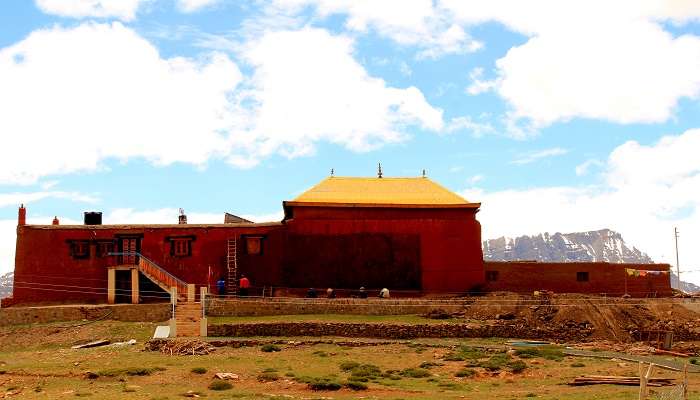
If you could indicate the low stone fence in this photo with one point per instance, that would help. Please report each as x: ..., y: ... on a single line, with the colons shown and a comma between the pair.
x: 396, y: 331
x: 244, y: 307
x: 118, y: 312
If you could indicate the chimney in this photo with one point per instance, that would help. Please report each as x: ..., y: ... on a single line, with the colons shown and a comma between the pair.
x: 55, y: 221
x: 182, y: 218
x: 92, y: 218
x: 22, y: 216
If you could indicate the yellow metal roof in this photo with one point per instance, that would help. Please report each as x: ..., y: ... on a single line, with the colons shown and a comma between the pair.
x: 381, y: 191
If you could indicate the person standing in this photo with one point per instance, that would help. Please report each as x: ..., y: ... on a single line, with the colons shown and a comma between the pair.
x: 243, y: 286
x: 221, y: 287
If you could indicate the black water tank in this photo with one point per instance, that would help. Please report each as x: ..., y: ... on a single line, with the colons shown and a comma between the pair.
x: 92, y: 218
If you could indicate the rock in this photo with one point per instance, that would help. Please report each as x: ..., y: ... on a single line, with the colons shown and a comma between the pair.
x: 226, y: 376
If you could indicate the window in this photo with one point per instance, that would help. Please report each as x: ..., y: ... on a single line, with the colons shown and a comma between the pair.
x: 181, y: 247
x: 80, y: 249
x: 491, y: 276
x: 104, y: 248
x: 582, y: 276
x: 253, y: 245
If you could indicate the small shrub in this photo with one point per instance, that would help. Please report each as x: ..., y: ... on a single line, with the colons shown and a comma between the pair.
x: 546, y: 352
x: 348, y: 365
x: 415, y: 373
x: 517, y: 366
x: 324, y: 384
x: 353, y: 385
x: 366, y: 370
x: 290, y: 374
x: 269, y: 348
x: 199, y: 370
x: 320, y: 353
x: 578, y: 365
x: 694, y: 361
x: 496, y: 362
x: 465, y: 373
x: 220, y: 385
x: 270, y: 370
x: 530, y: 395
x: 268, y: 377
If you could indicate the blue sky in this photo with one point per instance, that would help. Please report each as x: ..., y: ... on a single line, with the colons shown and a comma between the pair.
x: 556, y: 117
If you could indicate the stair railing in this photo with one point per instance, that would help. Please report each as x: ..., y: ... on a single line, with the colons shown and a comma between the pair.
x: 157, y: 272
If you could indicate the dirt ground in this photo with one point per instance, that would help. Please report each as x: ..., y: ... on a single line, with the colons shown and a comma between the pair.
x: 36, y: 362
x: 610, y: 318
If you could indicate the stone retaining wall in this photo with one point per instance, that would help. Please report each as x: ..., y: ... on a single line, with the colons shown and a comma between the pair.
x: 396, y: 331
x: 119, y: 312
x: 350, y: 306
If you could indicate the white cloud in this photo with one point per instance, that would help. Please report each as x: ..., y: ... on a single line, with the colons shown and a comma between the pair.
x: 590, y: 59
x: 188, y: 6
x: 73, y: 97
x: 121, y: 9
x: 410, y: 23
x: 647, y: 191
x: 478, y: 129
x: 582, y: 169
x: 109, y: 94
x: 479, y: 85
x: 308, y: 87
x: 529, y: 158
x: 7, y: 199
x: 473, y: 180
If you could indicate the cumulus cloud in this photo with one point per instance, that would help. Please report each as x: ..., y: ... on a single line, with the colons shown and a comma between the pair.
x: 626, y: 69
x: 120, y: 9
x: 308, y: 87
x: 410, y: 23
x: 77, y: 96
x: 74, y: 97
x: 648, y: 190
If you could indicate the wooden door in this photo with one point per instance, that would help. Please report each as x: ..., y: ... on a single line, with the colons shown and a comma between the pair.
x: 129, y: 245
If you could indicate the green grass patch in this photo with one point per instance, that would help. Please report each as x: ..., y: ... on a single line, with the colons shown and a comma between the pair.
x: 322, y: 383
x: 578, y: 365
x: 268, y: 377
x: 270, y: 348
x: 354, y: 385
x: 546, y: 352
x: 517, y: 366
x: 496, y: 362
x: 220, y: 385
x: 346, y: 366
x: 199, y: 370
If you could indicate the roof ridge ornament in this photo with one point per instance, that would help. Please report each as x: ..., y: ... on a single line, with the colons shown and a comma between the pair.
x: 332, y: 172
x: 379, y: 171
x: 424, y: 173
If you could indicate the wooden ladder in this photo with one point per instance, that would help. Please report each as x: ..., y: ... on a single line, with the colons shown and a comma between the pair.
x: 232, y: 266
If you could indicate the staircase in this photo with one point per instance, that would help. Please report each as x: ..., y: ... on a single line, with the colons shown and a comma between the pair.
x: 232, y: 267
x: 188, y: 317
x: 162, y: 278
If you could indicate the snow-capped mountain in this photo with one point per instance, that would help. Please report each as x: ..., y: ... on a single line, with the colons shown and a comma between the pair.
x: 6, y: 284
x: 602, y: 245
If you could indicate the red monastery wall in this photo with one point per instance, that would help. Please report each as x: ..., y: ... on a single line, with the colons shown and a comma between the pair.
x: 525, y: 277
x: 450, y: 256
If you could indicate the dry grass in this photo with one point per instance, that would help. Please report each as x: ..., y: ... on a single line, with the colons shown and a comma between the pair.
x: 41, y: 369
